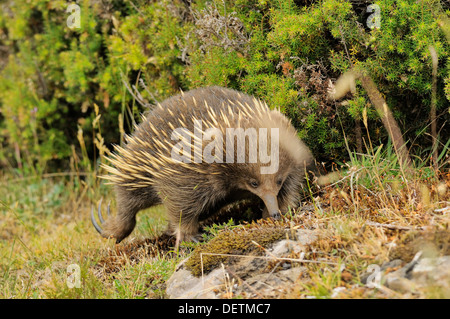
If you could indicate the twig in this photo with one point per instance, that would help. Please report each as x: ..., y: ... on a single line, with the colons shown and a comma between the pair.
x: 442, y: 210
x: 351, y: 187
x: 388, y: 120
x: 239, y: 279
x: 345, y: 46
x: 144, y: 86
x: 435, y: 60
x: 391, y: 226
x: 137, y: 9
x: 136, y: 97
x: 48, y: 175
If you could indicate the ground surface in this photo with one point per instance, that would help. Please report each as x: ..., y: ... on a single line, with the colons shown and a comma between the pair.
x: 47, y: 241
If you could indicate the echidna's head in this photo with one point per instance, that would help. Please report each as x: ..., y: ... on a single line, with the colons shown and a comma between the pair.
x: 279, y: 175
x: 272, y: 189
x: 266, y: 187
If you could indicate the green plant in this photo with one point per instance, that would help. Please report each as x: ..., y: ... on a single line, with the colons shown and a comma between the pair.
x: 284, y: 52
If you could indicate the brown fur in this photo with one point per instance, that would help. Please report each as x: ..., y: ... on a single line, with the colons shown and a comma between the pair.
x: 144, y: 173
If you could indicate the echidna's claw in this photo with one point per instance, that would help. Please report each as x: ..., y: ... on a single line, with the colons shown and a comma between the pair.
x: 99, y: 212
x: 100, y: 217
x: 94, y: 222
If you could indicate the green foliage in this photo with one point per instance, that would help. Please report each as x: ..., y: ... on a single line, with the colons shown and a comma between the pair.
x: 294, y: 51
x: 215, y: 229
x: 284, y: 52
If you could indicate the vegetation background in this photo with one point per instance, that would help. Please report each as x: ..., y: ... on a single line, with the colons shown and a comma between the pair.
x: 68, y: 94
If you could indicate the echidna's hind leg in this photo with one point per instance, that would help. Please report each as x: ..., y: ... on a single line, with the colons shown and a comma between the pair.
x: 129, y: 203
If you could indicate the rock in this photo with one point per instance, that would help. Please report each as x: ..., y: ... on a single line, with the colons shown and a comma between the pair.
x: 252, y: 274
x: 392, y: 264
x: 269, y: 285
x: 419, y: 274
x: 182, y: 284
x: 284, y: 247
x: 337, y: 291
x: 432, y: 271
x: 400, y: 284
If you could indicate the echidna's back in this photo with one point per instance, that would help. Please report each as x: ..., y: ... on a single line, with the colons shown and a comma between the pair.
x: 181, y: 110
x: 216, y: 98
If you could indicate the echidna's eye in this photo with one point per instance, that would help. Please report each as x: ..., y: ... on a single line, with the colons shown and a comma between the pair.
x: 279, y: 182
x: 254, y: 184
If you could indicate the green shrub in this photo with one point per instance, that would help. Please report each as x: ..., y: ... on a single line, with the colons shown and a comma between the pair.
x: 294, y: 51
x: 285, y: 52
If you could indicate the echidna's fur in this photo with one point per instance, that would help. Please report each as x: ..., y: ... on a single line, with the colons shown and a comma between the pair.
x: 145, y: 174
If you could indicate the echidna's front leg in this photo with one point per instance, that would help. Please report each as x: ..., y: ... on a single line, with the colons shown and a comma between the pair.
x: 185, y: 227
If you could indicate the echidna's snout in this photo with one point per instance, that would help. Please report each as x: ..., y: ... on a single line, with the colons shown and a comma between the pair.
x: 267, y: 187
x: 271, y: 202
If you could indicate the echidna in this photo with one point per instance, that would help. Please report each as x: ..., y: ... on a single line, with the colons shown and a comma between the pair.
x: 179, y: 156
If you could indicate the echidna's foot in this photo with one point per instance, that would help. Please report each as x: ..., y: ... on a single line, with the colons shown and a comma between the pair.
x: 186, y: 236
x: 194, y: 238
x: 114, y: 227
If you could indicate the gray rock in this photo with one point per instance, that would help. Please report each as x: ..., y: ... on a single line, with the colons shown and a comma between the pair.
x: 337, y: 291
x: 182, y: 284
x: 250, y: 272
x: 420, y: 273
x: 398, y: 283
x: 392, y: 264
x: 269, y: 285
x: 432, y: 271
x: 284, y: 247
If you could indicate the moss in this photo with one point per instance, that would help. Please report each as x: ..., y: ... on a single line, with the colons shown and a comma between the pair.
x: 245, y: 240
